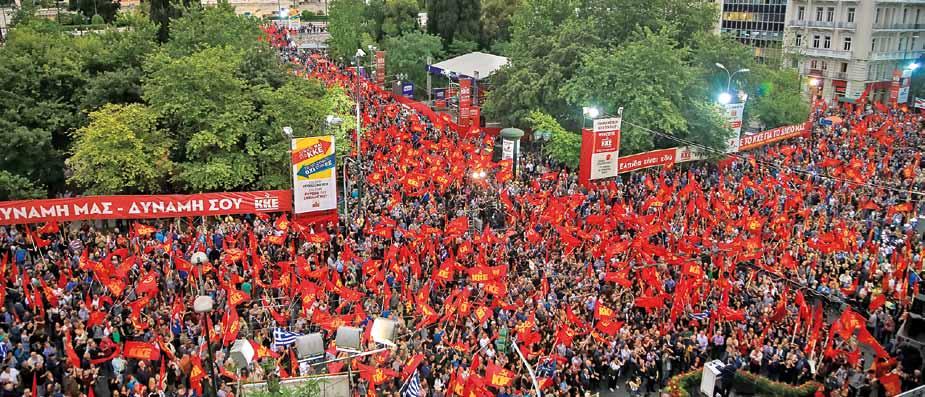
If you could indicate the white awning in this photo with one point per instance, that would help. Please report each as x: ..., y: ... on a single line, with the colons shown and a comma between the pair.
x: 469, y: 65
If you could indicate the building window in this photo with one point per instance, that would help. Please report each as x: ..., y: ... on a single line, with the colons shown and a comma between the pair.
x: 844, y: 67
x: 847, y: 45
x: 905, y: 14
x: 818, y: 14
x: 917, y: 12
x: 816, y: 41
x: 825, y: 66
x: 830, y: 14
x: 813, y: 64
x: 873, y: 45
x: 801, y: 13
x: 827, y: 43
x: 851, y: 15
x: 877, y: 17
x: 798, y: 40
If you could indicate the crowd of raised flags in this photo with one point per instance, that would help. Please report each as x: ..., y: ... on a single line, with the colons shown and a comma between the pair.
x: 631, y: 280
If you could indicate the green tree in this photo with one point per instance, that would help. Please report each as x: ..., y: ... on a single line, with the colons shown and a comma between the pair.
x: 206, y: 104
x: 611, y: 79
x: 106, y: 9
x: 496, y: 21
x: 777, y: 99
x: 302, y: 105
x: 408, y: 54
x: 346, y: 17
x: 454, y: 19
x: 563, y: 146
x: 461, y: 47
x: 15, y: 187
x: 120, y: 151
x: 400, y: 17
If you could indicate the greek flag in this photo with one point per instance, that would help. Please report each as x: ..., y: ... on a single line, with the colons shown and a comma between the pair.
x: 282, y: 337
x: 913, y: 278
x: 413, y: 389
x: 4, y: 350
x: 700, y: 316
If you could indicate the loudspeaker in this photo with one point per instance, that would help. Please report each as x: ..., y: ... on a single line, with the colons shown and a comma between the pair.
x: 348, y: 339
x: 242, y: 353
x: 918, y: 305
x: 383, y: 331
x: 309, y: 346
x: 497, y: 151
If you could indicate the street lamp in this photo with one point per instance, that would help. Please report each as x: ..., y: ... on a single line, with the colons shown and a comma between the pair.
x: 359, y: 54
x: 730, y: 76
x: 590, y: 112
x: 725, y: 98
x: 203, y: 305
x: 913, y: 66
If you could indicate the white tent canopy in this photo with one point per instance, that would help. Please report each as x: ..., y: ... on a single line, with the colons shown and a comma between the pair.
x: 469, y: 65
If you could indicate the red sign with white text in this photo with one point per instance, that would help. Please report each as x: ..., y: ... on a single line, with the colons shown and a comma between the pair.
x: 141, y: 206
x: 465, y: 101
x: 774, y: 135
x: 380, y: 68
x: 647, y: 159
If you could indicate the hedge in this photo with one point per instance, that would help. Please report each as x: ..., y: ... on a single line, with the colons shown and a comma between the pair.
x: 679, y: 384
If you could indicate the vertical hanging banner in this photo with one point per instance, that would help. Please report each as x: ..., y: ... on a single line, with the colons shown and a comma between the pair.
x: 465, y: 101
x: 600, y: 150
x: 314, y: 180
x: 732, y: 112
x: 894, y: 87
x: 380, y: 68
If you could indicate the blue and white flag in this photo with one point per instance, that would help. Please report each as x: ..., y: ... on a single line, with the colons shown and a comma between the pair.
x: 282, y: 337
x: 413, y: 389
x: 913, y: 278
x: 700, y: 316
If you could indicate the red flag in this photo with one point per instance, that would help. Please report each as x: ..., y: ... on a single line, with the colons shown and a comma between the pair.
x: 69, y: 350
x: 197, y: 373
x: 35, y: 384
x: 230, y: 326
x: 891, y: 384
x: 498, y: 376
x: 141, y: 351
x: 411, y: 365
x: 878, y: 301
x: 143, y: 230
x: 609, y: 327
x: 48, y: 228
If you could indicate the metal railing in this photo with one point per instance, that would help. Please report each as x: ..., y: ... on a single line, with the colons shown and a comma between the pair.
x: 895, y: 55
x: 899, y: 26
x: 821, y: 52
x: 329, y: 385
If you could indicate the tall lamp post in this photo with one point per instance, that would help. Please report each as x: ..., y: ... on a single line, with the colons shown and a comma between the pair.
x: 359, y: 54
x: 726, y: 97
x: 203, y: 305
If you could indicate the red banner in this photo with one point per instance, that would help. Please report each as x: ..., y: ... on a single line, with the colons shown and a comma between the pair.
x: 142, y: 207
x: 647, y: 159
x: 774, y: 135
x: 380, y: 68
x: 465, y: 101
x: 141, y: 351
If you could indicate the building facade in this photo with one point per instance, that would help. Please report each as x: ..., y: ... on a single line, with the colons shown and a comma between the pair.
x: 845, y: 48
x: 758, y: 24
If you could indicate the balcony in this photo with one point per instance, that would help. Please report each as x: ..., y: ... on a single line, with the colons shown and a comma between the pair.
x: 899, y: 26
x: 807, y: 71
x: 895, y: 55
x: 820, y: 24
x: 819, y: 52
x: 902, y: 1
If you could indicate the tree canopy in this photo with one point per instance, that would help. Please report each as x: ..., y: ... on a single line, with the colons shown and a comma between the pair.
x: 120, y: 112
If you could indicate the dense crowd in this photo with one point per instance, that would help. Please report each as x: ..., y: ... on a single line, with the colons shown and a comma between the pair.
x: 796, y: 261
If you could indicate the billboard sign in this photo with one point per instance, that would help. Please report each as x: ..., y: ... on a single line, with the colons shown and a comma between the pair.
x: 314, y: 180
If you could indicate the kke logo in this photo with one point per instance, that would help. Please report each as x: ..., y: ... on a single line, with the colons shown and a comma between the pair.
x: 266, y: 203
x: 606, y: 142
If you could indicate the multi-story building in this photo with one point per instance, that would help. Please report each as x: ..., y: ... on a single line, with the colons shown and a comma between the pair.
x: 844, y: 48
x: 756, y: 23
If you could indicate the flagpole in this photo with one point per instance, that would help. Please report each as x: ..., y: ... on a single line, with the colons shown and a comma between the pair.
x: 536, y: 384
